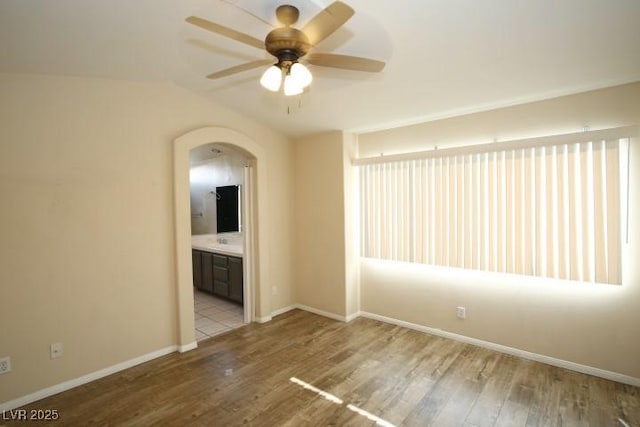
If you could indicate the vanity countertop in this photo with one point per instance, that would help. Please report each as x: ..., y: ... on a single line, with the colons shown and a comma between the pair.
x: 215, y: 243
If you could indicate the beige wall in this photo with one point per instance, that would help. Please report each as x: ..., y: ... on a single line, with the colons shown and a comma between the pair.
x: 351, y: 226
x: 279, y: 223
x: 87, y: 255
x: 319, y: 260
x: 600, y: 109
x: 326, y: 258
x: 593, y: 325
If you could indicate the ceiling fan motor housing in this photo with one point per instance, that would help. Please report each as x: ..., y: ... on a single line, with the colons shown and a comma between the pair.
x: 287, y: 44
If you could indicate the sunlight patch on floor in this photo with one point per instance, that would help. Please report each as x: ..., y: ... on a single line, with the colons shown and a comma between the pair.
x: 330, y: 397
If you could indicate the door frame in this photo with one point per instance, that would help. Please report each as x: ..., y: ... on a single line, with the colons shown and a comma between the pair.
x: 255, y: 241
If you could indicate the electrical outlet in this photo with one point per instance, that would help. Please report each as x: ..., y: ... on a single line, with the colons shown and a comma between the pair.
x: 56, y: 350
x: 5, y: 365
x: 461, y: 313
x: 274, y: 290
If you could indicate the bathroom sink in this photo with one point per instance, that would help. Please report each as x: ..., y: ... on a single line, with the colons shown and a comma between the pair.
x: 213, y: 243
x: 225, y: 249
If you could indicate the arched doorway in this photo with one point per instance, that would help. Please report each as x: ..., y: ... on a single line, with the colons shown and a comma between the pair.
x: 254, y: 245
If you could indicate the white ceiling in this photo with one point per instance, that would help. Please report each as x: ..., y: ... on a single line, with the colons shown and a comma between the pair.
x: 444, y: 57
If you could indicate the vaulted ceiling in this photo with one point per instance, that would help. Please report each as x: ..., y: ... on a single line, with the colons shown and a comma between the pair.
x: 444, y: 57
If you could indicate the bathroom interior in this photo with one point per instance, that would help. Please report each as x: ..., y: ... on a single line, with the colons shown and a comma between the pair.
x: 216, y: 178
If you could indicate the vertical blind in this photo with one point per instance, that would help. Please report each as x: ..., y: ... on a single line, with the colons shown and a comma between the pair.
x: 545, y: 210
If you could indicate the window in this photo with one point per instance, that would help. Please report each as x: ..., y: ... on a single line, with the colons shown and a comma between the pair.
x: 546, y: 207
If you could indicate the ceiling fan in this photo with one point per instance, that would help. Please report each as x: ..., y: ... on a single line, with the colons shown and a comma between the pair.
x: 288, y: 45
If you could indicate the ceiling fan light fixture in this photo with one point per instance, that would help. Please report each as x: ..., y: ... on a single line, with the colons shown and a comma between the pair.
x: 301, y: 74
x: 292, y: 86
x: 272, y: 78
x: 287, y: 44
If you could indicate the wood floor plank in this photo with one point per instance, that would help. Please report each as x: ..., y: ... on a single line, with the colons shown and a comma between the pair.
x: 347, y: 374
x: 487, y: 407
x: 545, y: 400
x: 601, y: 397
x: 452, y: 374
x: 512, y: 414
x: 481, y: 364
x: 628, y: 403
x: 573, y: 400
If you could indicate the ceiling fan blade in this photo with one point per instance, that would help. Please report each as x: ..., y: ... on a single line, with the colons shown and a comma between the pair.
x: 240, y: 68
x: 355, y: 63
x: 327, y: 21
x: 224, y: 31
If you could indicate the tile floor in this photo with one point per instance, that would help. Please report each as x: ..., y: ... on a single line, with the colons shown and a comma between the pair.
x: 215, y: 315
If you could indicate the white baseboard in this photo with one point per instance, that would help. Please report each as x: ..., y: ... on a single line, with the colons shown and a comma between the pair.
x: 597, y: 372
x: 188, y: 347
x: 58, y: 388
x: 353, y: 316
x: 282, y: 310
x: 321, y: 312
x: 264, y: 319
x: 301, y: 307
x: 317, y: 311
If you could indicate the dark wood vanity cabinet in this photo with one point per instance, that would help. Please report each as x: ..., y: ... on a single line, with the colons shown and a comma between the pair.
x: 207, y: 272
x: 196, y: 264
x: 218, y: 274
x: 235, y: 279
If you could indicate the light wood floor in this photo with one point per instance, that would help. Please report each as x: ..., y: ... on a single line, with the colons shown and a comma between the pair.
x: 399, y: 375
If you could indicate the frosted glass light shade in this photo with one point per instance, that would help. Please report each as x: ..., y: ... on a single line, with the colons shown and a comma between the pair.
x: 272, y: 78
x: 301, y: 74
x: 292, y: 86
